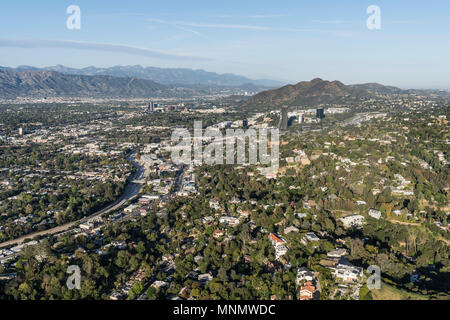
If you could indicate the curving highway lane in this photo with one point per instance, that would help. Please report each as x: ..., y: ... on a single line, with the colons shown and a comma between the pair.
x: 131, y: 190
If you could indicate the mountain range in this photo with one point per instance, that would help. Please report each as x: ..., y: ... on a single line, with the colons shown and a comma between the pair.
x: 60, y: 82
x: 54, y: 84
x: 167, y: 76
x: 314, y: 92
x: 380, y: 89
x: 318, y: 91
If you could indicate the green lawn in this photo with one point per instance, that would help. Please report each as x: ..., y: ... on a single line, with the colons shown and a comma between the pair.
x: 389, y: 292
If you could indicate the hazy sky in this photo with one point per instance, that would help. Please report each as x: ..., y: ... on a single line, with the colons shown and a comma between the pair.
x: 285, y: 40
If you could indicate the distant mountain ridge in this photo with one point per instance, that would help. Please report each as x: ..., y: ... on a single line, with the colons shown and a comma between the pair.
x: 166, y: 76
x: 318, y: 91
x: 380, y: 89
x: 54, y: 84
x: 34, y: 82
x: 307, y: 93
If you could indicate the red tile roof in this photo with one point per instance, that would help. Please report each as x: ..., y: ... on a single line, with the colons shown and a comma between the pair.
x: 274, y: 238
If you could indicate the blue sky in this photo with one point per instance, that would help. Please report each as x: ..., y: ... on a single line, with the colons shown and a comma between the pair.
x: 285, y: 40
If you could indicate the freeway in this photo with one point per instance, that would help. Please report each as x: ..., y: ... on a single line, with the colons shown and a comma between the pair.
x: 131, y: 190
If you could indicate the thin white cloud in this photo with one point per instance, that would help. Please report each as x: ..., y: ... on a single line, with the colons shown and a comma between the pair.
x: 211, y: 25
x: 331, y: 21
x: 236, y: 16
x: 267, y: 16
x: 402, y: 22
x: 317, y: 31
x: 305, y: 30
x: 180, y: 27
x: 190, y: 30
x: 109, y: 47
x: 221, y: 16
x: 225, y: 26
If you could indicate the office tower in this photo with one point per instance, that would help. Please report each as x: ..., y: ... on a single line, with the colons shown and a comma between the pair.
x: 301, y: 118
x: 320, y: 113
x: 283, y: 118
x: 151, y: 107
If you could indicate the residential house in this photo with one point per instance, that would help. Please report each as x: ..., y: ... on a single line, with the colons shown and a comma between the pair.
x: 218, y: 233
x: 346, y: 271
x: 159, y: 284
x: 304, y: 274
x: 337, y: 253
x: 291, y: 229
x: 353, y: 221
x: 230, y: 221
x: 311, y: 236
x: 279, y: 245
x: 306, y: 291
x: 130, y: 208
x: 204, y: 278
x: 375, y: 214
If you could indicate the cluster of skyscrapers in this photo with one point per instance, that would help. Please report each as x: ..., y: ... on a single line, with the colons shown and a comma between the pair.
x: 284, y: 117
